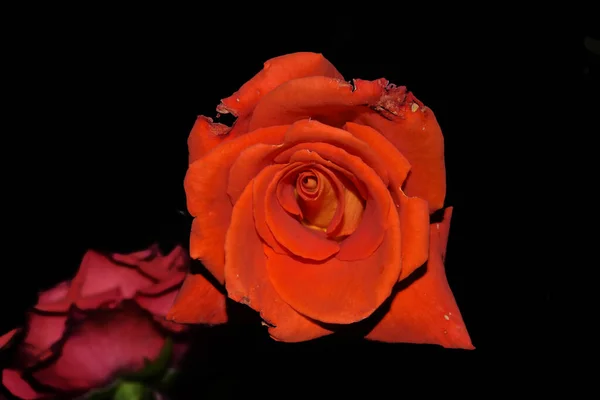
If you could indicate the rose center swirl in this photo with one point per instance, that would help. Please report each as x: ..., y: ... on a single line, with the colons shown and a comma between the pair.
x: 325, y: 200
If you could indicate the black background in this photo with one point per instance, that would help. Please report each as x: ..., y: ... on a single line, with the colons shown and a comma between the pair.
x: 109, y: 103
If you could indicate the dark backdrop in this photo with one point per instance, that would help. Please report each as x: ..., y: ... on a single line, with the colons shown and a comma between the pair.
x: 110, y: 106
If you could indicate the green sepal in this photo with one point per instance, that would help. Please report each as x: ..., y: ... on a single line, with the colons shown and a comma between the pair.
x: 132, y: 391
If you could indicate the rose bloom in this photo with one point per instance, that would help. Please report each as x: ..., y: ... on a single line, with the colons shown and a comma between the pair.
x: 107, y: 320
x: 314, y: 207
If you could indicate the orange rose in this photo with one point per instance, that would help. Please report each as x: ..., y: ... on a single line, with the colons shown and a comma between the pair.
x: 314, y: 208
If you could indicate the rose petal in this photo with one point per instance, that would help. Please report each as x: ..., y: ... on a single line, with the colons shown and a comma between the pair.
x: 7, y: 337
x: 167, y: 285
x: 444, y: 231
x: 100, y: 345
x: 325, y: 148
x: 205, y: 136
x: 258, y: 210
x: 133, y: 259
x: 300, y: 135
x: 370, y: 231
x: 327, y: 209
x: 286, y: 194
x: 105, y: 299
x: 159, y: 298
x: 325, y: 99
x: 248, y: 164
x: 350, y: 221
x: 99, y: 274
x: 295, y: 237
x: 307, y: 132
x: 410, y: 126
x: 413, y: 129
x: 55, y: 299
x: 42, y: 331
x: 60, y: 298
x: 247, y: 281
x: 425, y: 311
x: 275, y: 72
x: 15, y: 384
x: 414, y: 224
x: 151, y: 261
x: 171, y: 326
x: 414, y: 212
x: 163, y: 267
x: 207, y: 200
x: 396, y: 164
x: 320, y: 205
x: 198, y: 302
x: 286, y: 233
x: 52, y: 295
x: 339, y: 291
x: 353, y: 211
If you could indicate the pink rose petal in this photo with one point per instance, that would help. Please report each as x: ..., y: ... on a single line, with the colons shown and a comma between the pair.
x: 100, y: 345
x: 15, y: 384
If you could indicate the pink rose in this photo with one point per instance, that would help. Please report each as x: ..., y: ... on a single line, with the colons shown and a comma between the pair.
x: 151, y: 279
x: 107, y: 320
